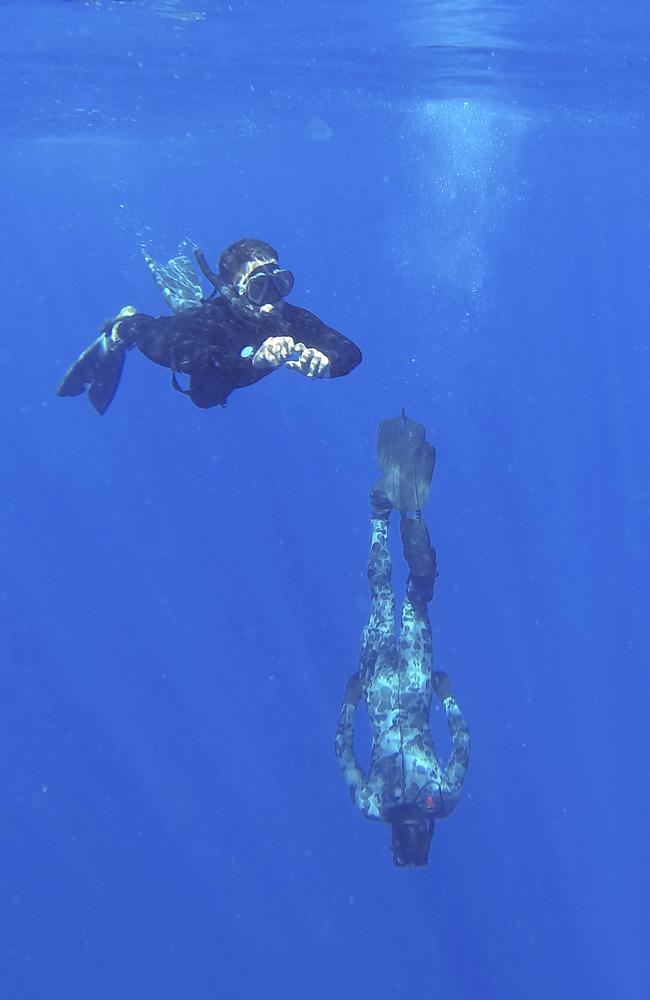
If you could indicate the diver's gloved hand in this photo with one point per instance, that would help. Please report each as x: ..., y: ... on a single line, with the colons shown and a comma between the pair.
x: 274, y: 352
x: 441, y: 684
x: 310, y: 362
x: 353, y: 690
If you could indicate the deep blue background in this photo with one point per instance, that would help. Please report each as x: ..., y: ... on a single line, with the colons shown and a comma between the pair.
x: 183, y: 591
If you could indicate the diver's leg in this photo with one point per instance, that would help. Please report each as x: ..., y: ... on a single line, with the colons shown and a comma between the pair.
x: 415, y: 632
x: 380, y: 629
x: 420, y: 556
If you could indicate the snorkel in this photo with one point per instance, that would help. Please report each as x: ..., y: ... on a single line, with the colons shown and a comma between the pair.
x: 209, y: 274
x: 238, y: 304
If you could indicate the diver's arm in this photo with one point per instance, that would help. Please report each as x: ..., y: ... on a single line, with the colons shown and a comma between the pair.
x: 309, y: 330
x: 354, y: 776
x: 454, y: 774
x: 343, y: 355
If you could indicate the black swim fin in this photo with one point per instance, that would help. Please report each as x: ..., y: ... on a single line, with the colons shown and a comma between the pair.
x: 407, y: 461
x: 98, y: 370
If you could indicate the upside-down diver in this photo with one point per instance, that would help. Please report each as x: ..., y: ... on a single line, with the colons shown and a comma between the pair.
x: 406, y: 785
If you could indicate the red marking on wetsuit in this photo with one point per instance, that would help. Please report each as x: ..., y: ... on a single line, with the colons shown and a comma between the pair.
x: 429, y: 802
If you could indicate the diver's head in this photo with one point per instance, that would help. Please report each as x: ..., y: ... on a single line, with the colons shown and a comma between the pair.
x: 250, y: 272
x: 411, y: 837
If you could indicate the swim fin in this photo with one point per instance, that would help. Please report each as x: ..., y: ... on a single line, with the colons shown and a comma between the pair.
x: 177, y: 281
x: 98, y: 370
x: 407, y: 461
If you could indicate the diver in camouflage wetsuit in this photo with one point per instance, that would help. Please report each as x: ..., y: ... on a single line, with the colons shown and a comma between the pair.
x: 406, y: 786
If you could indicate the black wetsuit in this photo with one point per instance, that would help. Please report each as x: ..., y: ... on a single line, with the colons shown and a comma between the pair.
x: 215, y: 347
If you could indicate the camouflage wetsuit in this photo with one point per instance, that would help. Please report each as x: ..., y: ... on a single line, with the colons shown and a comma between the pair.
x: 396, y: 681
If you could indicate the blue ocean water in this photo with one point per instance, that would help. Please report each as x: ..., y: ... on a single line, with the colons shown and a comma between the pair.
x: 461, y: 188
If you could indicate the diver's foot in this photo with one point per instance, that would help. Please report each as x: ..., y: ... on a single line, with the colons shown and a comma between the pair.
x: 110, y: 329
x: 380, y: 505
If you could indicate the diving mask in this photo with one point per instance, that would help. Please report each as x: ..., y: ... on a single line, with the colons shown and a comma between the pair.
x: 267, y: 284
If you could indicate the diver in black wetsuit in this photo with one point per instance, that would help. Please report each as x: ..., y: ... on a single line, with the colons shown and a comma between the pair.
x: 232, y: 339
